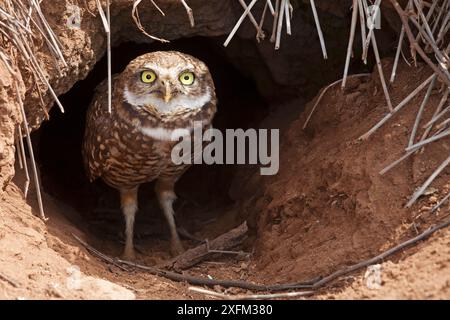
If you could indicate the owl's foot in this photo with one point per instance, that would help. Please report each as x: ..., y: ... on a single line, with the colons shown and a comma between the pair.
x: 129, y: 254
x: 176, y: 248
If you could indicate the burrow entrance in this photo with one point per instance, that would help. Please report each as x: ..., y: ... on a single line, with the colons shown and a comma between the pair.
x: 205, y: 207
x: 258, y: 87
x: 204, y: 204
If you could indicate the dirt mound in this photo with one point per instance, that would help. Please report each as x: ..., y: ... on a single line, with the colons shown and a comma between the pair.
x: 328, y: 207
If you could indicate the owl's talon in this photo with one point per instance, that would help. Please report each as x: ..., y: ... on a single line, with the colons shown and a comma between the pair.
x: 129, y: 254
x: 176, y: 248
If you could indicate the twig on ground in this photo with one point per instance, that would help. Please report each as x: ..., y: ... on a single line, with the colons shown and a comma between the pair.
x: 9, y: 280
x: 251, y: 296
x: 396, y: 109
x: 433, y: 176
x: 99, y: 254
x: 311, y: 285
x: 195, y: 255
x: 421, y: 109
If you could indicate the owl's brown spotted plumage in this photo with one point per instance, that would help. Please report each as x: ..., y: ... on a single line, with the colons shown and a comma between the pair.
x: 157, y: 95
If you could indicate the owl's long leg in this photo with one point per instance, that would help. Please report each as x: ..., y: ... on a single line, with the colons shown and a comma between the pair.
x: 129, y: 203
x: 166, y: 196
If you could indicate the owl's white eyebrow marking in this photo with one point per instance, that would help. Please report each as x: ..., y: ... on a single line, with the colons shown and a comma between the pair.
x: 175, y: 69
x: 183, y: 101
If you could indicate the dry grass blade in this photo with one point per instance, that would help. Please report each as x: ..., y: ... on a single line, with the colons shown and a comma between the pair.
x: 239, y: 22
x: 421, y: 109
x: 396, y: 109
x: 404, y: 17
x: 259, y: 31
x: 280, y: 24
x: 103, y: 16
x: 135, y: 16
x: 433, y: 176
x: 31, y: 152
x: 23, y: 156
x: 272, y: 10
x: 323, y: 93
x: 350, y: 42
x: 319, y: 29
x: 381, y: 73
x: 189, y: 12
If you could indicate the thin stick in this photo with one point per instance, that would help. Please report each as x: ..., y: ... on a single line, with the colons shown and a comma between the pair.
x: 275, y: 21
x: 414, y: 43
x: 251, y: 296
x: 25, y: 165
x: 137, y: 21
x: 19, y: 156
x: 396, y: 162
x: 313, y: 284
x: 380, y: 71
x: 440, y: 203
x: 419, y: 113
x: 420, y: 191
x: 252, y: 18
x: 158, y: 8
x: 260, y: 34
x: 103, y: 16
x: 31, y: 152
x: 362, y: 22
x: 98, y: 253
x: 436, y: 117
x: 280, y: 24
x: 399, y: 49
x: 427, y: 141
x: 288, y: 18
x: 437, y: 113
x: 323, y: 93
x: 9, y: 280
x: 238, y: 24
x: 383, y: 255
x: 269, y: 3
x: 350, y: 42
x: 319, y: 29
x: 368, y: 40
x: 189, y: 12
x: 396, y: 109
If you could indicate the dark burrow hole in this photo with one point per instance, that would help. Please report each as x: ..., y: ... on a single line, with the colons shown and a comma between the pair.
x: 203, y: 190
x: 205, y: 207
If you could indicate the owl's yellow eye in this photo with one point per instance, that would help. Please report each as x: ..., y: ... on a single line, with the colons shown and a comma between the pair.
x: 148, y: 76
x: 187, y: 78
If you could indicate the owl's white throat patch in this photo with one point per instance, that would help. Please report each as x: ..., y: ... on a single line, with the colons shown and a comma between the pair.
x: 184, y: 102
x: 163, y: 134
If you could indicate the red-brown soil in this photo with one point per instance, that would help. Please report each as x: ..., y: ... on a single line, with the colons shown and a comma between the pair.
x: 328, y: 207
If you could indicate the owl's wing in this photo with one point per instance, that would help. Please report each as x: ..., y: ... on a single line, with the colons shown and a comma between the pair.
x: 97, y: 131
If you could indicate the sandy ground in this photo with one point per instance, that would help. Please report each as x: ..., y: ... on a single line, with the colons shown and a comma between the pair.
x: 326, y: 209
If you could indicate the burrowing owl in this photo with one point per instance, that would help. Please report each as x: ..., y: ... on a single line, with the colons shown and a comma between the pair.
x: 156, y: 94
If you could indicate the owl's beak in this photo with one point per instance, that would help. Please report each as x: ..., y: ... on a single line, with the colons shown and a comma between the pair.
x: 167, y: 92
